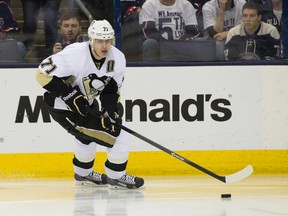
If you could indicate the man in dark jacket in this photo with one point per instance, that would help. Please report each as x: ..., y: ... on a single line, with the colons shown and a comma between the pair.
x: 252, y: 36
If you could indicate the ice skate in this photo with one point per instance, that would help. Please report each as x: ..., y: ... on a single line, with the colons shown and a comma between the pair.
x: 94, y: 178
x: 126, y: 181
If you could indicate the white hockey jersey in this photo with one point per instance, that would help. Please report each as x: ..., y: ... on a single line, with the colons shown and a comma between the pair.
x: 232, y: 17
x: 170, y: 20
x: 76, y: 62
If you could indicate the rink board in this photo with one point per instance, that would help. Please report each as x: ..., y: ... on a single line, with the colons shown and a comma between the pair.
x: 155, y: 163
x: 220, y: 117
x: 182, y: 108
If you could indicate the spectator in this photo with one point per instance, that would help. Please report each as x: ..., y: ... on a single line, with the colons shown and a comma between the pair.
x: 9, y: 28
x: 274, y: 16
x: 131, y: 42
x: 221, y: 15
x: 264, y: 6
x: 70, y: 29
x: 31, y: 9
x: 252, y: 36
x: 166, y: 20
x: 101, y: 9
x: 8, y: 2
x: 129, y: 7
x: 198, y: 5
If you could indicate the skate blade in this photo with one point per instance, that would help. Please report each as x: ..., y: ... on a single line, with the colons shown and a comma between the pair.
x: 117, y: 187
x: 89, y: 184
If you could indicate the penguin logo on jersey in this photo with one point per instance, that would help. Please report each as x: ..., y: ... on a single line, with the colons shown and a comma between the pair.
x: 94, y: 85
x: 110, y: 66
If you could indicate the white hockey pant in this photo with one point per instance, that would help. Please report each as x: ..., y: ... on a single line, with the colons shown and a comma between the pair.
x: 118, y: 154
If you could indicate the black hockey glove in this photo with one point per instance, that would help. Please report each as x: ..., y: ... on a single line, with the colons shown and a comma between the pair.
x: 108, y: 125
x: 75, y: 100
x: 113, y: 114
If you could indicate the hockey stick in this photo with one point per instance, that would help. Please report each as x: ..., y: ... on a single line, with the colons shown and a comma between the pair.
x: 235, y: 177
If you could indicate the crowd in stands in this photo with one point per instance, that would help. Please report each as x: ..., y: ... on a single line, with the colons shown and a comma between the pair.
x: 238, y: 29
x: 10, y: 31
x: 31, y: 10
x: 218, y: 20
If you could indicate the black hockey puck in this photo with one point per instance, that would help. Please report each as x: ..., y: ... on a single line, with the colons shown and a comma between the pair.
x: 225, y: 196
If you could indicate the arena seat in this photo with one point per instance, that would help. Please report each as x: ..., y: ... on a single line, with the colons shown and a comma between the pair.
x: 190, y: 50
x: 9, y: 51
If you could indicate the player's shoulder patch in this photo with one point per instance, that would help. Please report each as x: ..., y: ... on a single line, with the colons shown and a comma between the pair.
x: 110, y: 66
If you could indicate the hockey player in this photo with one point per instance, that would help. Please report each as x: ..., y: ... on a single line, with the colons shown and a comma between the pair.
x: 73, y: 78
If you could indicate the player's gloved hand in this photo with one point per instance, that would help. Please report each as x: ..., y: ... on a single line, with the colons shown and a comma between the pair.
x: 75, y: 100
x: 107, y: 124
x: 113, y: 114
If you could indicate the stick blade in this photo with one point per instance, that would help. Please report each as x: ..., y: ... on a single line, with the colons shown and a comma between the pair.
x: 238, y: 176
